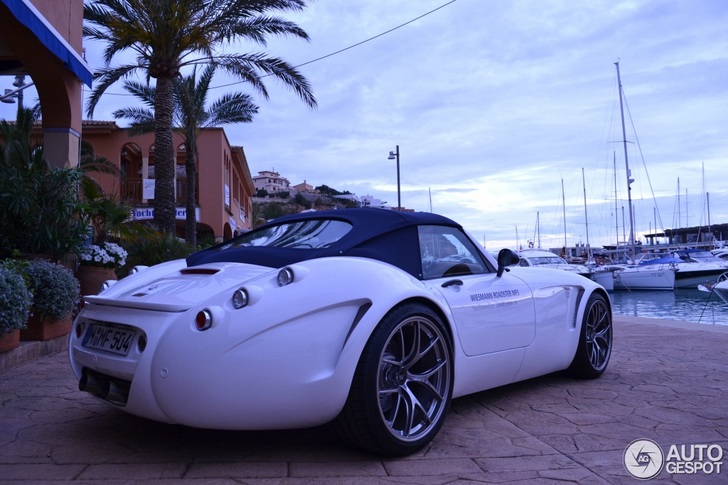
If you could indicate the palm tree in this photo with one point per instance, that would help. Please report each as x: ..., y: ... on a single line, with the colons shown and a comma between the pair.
x: 189, y: 116
x: 170, y: 35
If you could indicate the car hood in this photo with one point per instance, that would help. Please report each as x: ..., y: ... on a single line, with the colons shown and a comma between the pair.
x: 174, y: 287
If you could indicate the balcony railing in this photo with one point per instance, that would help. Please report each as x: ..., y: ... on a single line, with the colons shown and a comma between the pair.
x: 132, y: 192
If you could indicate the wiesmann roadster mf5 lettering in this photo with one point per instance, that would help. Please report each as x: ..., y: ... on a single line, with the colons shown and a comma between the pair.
x: 373, y: 320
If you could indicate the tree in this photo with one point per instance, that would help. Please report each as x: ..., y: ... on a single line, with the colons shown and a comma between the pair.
x: 170, y: 35
x: 189, y: 117
x: 257, y: 218
x: 104, y: 213
x: 301, y: 200
x: 39, y: 208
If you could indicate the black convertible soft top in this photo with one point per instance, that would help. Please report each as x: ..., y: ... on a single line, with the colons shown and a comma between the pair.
x: 381, y: 234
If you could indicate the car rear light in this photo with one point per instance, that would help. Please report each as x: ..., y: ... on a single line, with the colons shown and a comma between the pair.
x: 80, y: 327
x: 285, y: 277
x: 240, y: 298
x: 107, y: 284
x: 137, y: 269
x: 203, y: 320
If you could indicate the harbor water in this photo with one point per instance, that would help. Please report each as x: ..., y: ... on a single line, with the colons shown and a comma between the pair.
x: 687, y: 305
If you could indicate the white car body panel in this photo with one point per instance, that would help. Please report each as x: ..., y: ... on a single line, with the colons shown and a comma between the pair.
x: 287, y: 359
x: 312, y: 370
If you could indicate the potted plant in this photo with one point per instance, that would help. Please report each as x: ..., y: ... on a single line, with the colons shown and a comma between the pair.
x: 106, y: 217
x: 55, y: 296
x: 15, y: 301
x: 104, y: 214
x: 97, y: 264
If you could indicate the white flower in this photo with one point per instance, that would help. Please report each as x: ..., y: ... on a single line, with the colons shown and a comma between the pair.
x: 111, y: 255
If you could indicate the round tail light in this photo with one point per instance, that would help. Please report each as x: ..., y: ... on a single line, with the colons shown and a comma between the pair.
x: 203, y: 320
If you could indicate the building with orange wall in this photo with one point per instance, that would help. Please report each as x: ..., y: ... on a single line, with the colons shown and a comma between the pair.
x: 224, y: 184
x: 43, y: 39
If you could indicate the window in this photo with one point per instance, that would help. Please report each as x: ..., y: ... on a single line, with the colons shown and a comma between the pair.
x: 311, y: 234
x: 447, y: 251
x: 226, y: 182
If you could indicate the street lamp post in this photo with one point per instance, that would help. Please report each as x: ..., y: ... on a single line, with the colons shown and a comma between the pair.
x: 19, y: 83
x: 395, y: 156
x: 10, y: 96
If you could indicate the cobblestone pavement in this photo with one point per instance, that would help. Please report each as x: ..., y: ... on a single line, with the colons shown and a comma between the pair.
x: 667, y: 382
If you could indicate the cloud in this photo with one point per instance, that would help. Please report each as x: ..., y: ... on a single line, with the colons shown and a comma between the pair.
x: 494, y: 103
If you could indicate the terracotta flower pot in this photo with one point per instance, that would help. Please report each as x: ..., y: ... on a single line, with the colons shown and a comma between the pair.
x: 45, y: 328
x: 9, y: 340
x: 91, y: 278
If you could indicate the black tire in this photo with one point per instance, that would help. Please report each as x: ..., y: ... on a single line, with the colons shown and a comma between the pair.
x: 402, y: 387
x: 595, y: 340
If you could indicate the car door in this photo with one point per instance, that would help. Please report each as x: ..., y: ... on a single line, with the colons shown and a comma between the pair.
x: 492, y: 313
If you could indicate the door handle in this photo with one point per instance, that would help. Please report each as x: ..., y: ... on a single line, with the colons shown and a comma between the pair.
x: 452, y: 283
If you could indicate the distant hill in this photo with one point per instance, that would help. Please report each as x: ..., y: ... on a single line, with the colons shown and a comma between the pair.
x: 270, y: 207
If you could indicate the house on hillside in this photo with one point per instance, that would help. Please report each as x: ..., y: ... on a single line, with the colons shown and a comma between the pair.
x: 370, y: 201
x: 271, y: 181
x: 303, y: 188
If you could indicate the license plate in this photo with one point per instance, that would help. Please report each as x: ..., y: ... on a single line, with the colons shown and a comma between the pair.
x: 110, y: 339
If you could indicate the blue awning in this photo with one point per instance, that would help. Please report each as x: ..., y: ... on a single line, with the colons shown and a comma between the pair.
x: 29, y: 16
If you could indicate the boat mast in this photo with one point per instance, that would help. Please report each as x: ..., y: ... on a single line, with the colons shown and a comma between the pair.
x: 707, y: 204
x: 586, y: 217
x: 616, y: 199
x: 679, y: 213
x: 626, y: 164
x: 563, y: 204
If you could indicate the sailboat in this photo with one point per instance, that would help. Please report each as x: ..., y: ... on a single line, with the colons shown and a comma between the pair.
x: 633, y: 277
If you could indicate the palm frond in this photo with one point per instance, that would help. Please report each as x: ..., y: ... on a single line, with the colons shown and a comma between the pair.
x: 105, y: 78
x: 232, y: 108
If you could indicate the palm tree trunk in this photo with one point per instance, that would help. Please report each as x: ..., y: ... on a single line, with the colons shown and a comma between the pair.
x: 164, y: 158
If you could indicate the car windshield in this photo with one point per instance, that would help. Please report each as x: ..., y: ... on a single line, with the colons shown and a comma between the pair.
x: 309, y: 234
x: 537, y: 261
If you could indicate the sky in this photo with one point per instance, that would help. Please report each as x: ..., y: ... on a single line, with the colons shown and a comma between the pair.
x: 506, y: 113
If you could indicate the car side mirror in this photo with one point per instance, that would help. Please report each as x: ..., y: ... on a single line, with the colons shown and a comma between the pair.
x: 506, y: 257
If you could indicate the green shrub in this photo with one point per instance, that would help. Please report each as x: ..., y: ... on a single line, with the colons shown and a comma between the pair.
x: 15, y: 300
x: 152, y: 247
x: 55, y: 290
x: 39, y: 210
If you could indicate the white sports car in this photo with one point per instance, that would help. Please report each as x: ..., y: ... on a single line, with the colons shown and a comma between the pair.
x: 371, y: 319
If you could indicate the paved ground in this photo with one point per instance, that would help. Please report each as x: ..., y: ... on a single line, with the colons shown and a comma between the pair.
x: 667, y: 382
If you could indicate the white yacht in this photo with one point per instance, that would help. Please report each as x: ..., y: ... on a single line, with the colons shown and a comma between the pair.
x: 632, y: 277
x: 690, y: 272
